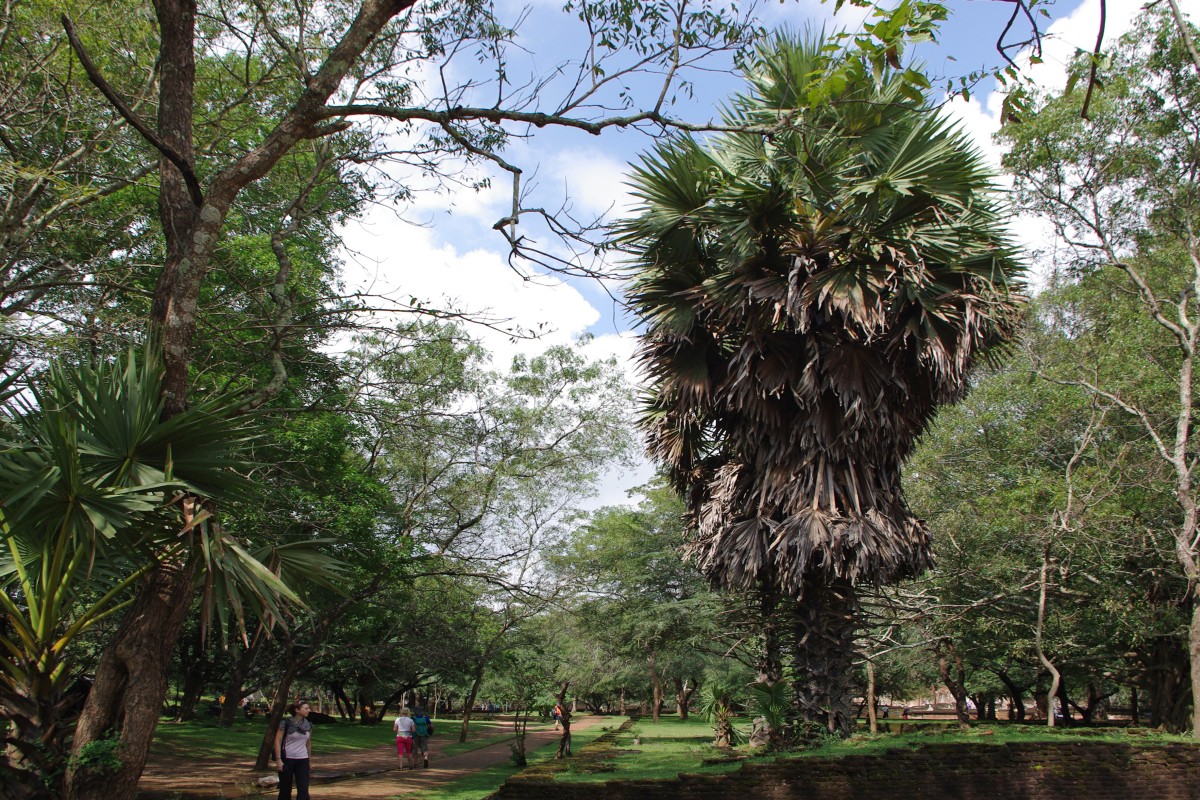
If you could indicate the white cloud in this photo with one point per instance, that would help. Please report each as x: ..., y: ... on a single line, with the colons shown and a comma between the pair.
x: 593, y: 180
x: 981, y: 120
x: 402, y: 261
x: 1077, y: 31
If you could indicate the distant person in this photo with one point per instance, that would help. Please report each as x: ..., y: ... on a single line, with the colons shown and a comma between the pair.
x: 405, y: 728
x: 558, y: 714
x: 293, y: 750
x: 421, y: 734
x: 904, y: 713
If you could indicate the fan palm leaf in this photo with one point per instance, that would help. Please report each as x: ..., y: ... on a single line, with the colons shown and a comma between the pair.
x: 98, y: 490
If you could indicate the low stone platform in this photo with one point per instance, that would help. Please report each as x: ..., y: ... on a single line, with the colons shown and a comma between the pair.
x: 1034, y: 771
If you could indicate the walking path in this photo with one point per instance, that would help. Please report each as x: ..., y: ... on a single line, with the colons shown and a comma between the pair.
x: 347, y: 775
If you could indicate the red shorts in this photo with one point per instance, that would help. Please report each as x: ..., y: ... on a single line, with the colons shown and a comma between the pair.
x: 403, y: 745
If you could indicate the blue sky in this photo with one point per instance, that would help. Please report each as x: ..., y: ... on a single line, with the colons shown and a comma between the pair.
x: 442, y: 249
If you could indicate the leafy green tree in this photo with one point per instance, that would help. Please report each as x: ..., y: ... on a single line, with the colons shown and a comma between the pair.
x: 637, y: 597
x: 1120, y: 189
x: 1027, y: 486
x: 811, y: 297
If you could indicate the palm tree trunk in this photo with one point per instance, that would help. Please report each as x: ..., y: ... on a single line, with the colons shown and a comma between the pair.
x: 826, y: 624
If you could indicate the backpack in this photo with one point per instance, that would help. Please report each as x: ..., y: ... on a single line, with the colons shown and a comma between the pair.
x: 422, y: 723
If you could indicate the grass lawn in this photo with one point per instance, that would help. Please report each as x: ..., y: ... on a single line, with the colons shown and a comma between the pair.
x: 914, y: 736
x: 204, y: 738
x: 667, y: 748
x: 486, y: 781
x: 672, y: 746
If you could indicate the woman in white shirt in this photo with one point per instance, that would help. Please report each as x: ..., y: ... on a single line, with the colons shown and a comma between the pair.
x: 405, y: 727
x: 293, y: 749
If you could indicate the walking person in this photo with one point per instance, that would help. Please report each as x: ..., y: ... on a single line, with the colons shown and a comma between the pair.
x: 421, y: 734
x: 558, y: 714
x: 293, y: 750
x: 405, y: 728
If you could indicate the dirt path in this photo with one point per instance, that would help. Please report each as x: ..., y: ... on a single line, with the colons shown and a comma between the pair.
x: 347, y: 775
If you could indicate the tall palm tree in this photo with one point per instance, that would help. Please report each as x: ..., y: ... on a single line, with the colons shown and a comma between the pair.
x: 813, y: 289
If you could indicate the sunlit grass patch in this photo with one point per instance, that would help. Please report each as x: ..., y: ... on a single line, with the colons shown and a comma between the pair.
x: 652, y: 750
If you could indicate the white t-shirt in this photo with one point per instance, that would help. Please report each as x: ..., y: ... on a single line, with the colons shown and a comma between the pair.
x: 405, y: 726
x: 295, y: 738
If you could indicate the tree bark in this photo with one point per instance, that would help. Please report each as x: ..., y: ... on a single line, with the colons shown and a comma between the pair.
x: 1064, y: 702
x: 826, y: 626
x: 684, y: 689
x: 197, y: 668
x: 871, y: 717
x: 955, y: 681
x: 564, y: 741
x: 1194, y: 656
x: 279, y: 708
x: 1166, y: 684
x: 469, y: 703
x: 131, y: 683
x: 235, y: 686
x: 1055, y: 677
x: 1016, y: 706
x: 656, y: 688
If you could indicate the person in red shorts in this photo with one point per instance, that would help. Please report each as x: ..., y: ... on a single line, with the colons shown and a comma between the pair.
x: 405, y: 727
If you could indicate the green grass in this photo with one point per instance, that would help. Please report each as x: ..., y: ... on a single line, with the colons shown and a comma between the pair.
x: 863, y: 743
x: 667, y: 748
x: 672, y: 746
x: 205, y: 739
x: 486, y: 781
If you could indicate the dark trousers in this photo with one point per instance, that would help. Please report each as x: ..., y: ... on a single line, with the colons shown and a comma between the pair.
x: 294, y: 769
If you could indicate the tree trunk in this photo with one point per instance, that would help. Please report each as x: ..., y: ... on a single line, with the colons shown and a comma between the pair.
x: 235, y: 686
x: 469, y: 703
x: 871, y: 718
x: 684, y: 689
x: 266, y: 748
x: 1194, y: 658
x: 955, y: 681
x: 564, y: 741
x: 1064, y: 702
x: 1016, y: 698
x: 1037, y: 638
x: 826, y: 624
x: 197, y: 668
x: 770, y: 663
x: 344, y: 706
x: 1166, y: 684
x: 656, y: 688
x: 131, y: 683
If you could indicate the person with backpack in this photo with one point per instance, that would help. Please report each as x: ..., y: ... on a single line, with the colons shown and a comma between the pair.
x: 421, y: 734
x: 558, y: 715
x: 293, y: 749
x: 405, y: 727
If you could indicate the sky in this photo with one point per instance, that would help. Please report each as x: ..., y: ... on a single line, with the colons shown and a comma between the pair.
x: 442, y: 250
